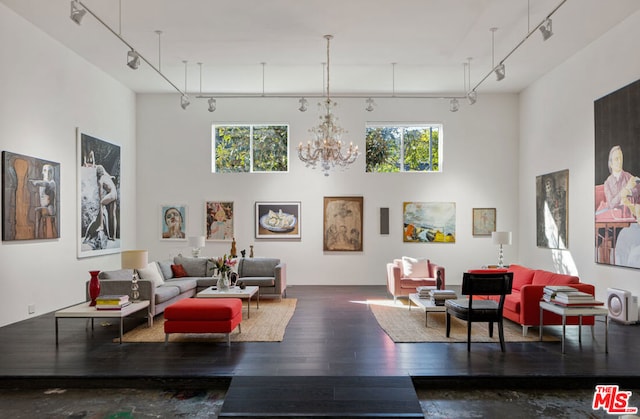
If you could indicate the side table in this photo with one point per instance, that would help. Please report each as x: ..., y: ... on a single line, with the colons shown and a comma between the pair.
x: 580, y: 312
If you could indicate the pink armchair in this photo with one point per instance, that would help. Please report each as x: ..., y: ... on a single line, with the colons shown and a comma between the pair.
x: 406, y: 274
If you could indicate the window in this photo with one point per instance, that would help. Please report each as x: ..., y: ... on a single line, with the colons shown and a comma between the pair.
x: 403, y: 148
x: 250, y: 148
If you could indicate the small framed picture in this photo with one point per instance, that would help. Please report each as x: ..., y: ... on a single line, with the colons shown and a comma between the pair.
x: 219, y: 216
x: 484, y: 221
x: 173, y: 221
x: 278, y: 220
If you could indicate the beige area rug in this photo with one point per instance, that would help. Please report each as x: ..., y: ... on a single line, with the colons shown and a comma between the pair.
x: 404, y: 325
x: 266, y: 324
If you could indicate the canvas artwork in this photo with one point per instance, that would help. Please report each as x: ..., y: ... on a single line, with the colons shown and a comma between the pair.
x: 173, y: 222
x: 30, y: 198
x: 425, y: 222
x: 99, y: 180
x: 219, y: 216
x: 484, y: 221
x: 277, y: 220
x: 343, y: 223
x: 552, y: 190
x: 617, y: 177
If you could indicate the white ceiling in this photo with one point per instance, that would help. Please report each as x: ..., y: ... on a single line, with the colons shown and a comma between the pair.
x: 429, y: 40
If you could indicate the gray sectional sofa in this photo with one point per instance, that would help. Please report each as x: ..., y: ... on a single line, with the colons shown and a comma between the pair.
x: 158, y: 284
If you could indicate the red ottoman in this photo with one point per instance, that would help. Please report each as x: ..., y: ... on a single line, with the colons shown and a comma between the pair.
x: 203, y: 315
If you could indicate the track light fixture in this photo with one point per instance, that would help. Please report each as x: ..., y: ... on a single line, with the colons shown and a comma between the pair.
x: 472, y: 96
x: 500, y: 72
x: 77, y: 12
x: 184, y: 101
x: 133, y: 60
x: 370, y: 104
x: 303, y: 104
x: 546, y: 29
x: 212, y: 104
x: 454, y: 105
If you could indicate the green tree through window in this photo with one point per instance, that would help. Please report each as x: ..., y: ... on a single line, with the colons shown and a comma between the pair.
x: 403, y: 148
x: 250, y: 148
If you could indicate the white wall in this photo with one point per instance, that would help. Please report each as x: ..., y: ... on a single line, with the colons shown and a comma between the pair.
x: 557, y: 126
x: 479, y: 170
x: 48, y: 91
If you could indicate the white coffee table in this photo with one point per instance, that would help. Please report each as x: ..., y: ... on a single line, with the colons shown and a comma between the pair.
x: 580, y: 312
x: 425, y: 304
x: 84, y: 311
x: 234, y: 292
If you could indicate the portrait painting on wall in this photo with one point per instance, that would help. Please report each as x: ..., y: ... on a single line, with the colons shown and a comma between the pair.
x: 219, y: 216
x: 617, y: 181
x: 99, y: 166
x: 30, y: 198
x: 429, y: 222
x: 173, y: 222
x: 484, y: 221
x: 552, y: 190
x: 342, y: 223
x: 277, y: 220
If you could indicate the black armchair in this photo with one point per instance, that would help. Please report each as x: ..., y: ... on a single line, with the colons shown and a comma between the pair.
x: 472, y: 310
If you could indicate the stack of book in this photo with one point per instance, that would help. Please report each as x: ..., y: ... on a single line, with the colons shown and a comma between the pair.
x: 112, y: 302
x: 438, y: 297
x: 568, y: 296
x: 423, y: 292
x: 550, y: 291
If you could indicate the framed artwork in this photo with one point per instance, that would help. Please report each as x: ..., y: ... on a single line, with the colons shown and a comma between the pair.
x: 173, y: 219
x: 552, y: 190
x: 429, y: 222
x: 342, y: 223
x: 617, y: 181
x: 484, y: 221
x: 278, y: 220
x: 99, y: 165
x: 219, y: 218
x: 30, y: 198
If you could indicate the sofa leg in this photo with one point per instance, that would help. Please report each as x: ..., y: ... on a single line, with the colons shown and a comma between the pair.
x: 525, y: 330
x: 166, y: 338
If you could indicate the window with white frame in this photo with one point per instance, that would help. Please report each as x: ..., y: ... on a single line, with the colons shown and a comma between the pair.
x: 403, y: 148
x: 241, y: 148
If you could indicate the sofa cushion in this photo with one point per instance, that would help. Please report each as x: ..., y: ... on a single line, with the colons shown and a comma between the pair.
x: 166, y: 292
x: 259, y: 267
x: 541, y: 277
x: 117, y: 274
x: 151, y: 272
x: 183, y: 285
x: 193, y: 266
x: 521, y: 276
x: 258, y: 281
x: 165, y: 269
x: 415, y: 268
x: 512, y: 301
x: 178, y: 271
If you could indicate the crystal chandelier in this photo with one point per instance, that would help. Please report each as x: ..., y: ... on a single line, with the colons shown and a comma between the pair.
x: 325, y: 149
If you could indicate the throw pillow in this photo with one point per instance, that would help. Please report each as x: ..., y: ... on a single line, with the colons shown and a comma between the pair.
x: 165, y: 268
x: 415, y: 268
x: 178, y: 271
x: 151, y: 272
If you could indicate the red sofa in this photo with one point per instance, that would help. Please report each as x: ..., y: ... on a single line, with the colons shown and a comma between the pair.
x: 523, y: 304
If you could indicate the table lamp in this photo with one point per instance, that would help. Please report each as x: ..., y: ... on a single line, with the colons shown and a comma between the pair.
x: 196, y: 242
x: 500, y: 238
x: 134, y: 259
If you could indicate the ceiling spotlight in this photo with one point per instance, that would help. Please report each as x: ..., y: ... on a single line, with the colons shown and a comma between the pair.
x: 500, y: 72
x: 454, y: 105
x: 184, y: 101
x: 472, y: 96
x: 370, y: 104
x: 133, y: 60
x: 303, y: 105
x: 546, y: 30
x: 212, y: 104
x: 77, y: 12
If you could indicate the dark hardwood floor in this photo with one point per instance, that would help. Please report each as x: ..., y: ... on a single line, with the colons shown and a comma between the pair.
x: 332, y: 334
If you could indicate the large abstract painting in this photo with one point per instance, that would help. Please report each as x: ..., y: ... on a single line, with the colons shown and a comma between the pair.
x: 30, y: 198
x: 343, y: 223
x: 617, y: 185
x: 425, y: 222
x: 98, y: 196
x: 552, y: 190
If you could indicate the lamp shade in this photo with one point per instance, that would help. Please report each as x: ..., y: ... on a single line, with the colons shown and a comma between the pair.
x: 135, y: 259
x: 196, y: 241
x: 501, y: 237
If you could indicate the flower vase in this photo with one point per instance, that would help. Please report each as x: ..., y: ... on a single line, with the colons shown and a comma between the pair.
x: 94, y: 287
x: 223, y: 282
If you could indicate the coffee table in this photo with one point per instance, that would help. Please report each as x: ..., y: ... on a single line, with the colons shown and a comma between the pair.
x: 84, y: 311
x: 425, y: 304
x: 234, y: 292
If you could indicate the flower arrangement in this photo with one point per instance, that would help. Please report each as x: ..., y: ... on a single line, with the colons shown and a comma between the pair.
x: 224, y: 264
